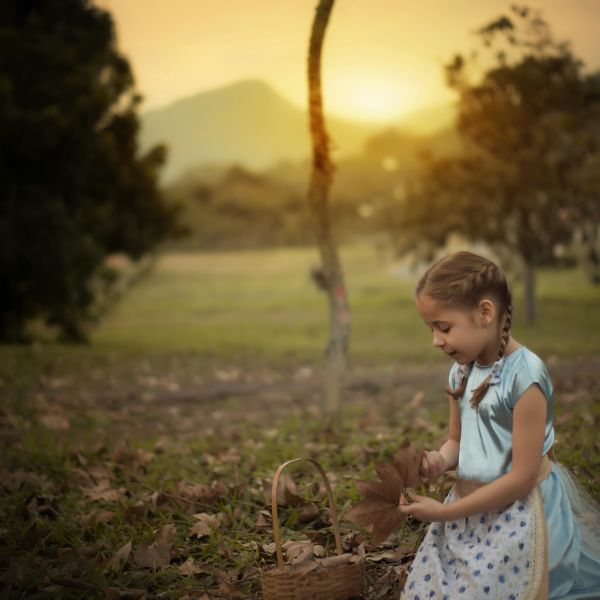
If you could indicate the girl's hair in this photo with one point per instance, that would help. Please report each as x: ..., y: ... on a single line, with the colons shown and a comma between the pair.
x: 462, y: 280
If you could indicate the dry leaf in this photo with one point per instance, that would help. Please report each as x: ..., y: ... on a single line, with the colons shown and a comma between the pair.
x: 264, y: 519
x: 157, y: 554
x: 120, y: 558
x: 227, y: 587
x: 379, y: 507
x: 189, y: 567
x: 308, y: 513
x: 55, y: 422
x: 286, y: 491
x: 103, y: 516
x: 339, y: 559
x: 200, y: 491
x: 408, y: 461
x: 206, y: 524
x: 299, y: 552
x: 104, y: 491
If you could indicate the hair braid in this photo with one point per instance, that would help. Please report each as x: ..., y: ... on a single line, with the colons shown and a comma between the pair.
x: 460, y: 389
x: 480, y: 391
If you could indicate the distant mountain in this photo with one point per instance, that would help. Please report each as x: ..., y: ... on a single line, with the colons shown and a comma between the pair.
x: 249, y: 123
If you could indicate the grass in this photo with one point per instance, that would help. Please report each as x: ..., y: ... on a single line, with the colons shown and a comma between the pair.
x: 261, y: 305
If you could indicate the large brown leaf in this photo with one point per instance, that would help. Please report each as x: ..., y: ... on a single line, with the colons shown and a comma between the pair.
x: 407, y: 460
x: 379, y: 507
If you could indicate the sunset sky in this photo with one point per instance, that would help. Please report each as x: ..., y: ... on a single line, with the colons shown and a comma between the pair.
x: 382, y: 58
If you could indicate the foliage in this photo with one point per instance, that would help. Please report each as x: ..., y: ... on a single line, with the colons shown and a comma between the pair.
x: 74, y: 187
x: 240, y: 209
x: 233, y: 206
x: 530, y: 123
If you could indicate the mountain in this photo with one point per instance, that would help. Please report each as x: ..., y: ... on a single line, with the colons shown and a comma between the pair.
x: 249, y: 123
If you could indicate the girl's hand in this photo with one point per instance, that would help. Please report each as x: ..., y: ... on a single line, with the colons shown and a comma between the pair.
x: 432, y: 464
x: 421, y: 507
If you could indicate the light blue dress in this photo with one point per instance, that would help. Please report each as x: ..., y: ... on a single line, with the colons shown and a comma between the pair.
x: 487, y: 555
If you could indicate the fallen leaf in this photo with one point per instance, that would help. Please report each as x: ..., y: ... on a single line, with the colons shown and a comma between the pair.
x: 55, y: 422
x: 264, y: 519
x: 189, y: 567
x: 120, y: 558
x: 308, y: 513
x: 338, y: 559
x: 224, y: 551
x: 14, y: 481
x: 206, y: 524
x: 286, y: 491
x: 104, y: 491
x: 227, y: 587
x: 206, y: 494
x: 298, y: 552
x: 103, y: 516
x: 157, y: 554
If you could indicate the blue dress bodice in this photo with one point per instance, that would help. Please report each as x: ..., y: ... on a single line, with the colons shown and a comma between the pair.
x: 486, y: 432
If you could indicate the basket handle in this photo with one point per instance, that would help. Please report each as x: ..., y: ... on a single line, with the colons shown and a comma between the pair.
x: 334, y: 519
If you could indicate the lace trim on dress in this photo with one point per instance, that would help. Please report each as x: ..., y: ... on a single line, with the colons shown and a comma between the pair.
x: 463, y: 371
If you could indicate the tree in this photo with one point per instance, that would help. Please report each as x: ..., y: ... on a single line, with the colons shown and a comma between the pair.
x: 331, y: 275
x: 74, y: 188
x: 526, y: 126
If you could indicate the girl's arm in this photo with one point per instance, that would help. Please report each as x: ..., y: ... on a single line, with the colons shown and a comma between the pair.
x: 437, y: 462
x: 529, y: 419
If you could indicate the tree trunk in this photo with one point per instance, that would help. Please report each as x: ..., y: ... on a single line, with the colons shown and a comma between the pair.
x: 339, y: 315
x: 529, y: 290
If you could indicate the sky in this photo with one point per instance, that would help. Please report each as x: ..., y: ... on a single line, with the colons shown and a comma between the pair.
x: 381, y: 59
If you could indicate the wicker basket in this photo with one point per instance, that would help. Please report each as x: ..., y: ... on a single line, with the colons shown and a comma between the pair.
x: 337, y: 582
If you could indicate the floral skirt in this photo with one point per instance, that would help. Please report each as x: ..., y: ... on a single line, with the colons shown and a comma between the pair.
x: 499, y: 554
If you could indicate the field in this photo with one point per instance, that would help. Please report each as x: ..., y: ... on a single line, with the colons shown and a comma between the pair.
x: 203, y: 378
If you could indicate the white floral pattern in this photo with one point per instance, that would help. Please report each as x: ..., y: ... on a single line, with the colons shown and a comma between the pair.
x: 486, y: 555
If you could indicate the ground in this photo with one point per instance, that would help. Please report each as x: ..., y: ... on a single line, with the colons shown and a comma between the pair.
x: 141, y: 465
x: 102, y: 464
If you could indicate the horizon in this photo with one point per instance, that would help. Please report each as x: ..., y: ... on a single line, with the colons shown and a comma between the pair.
x: 273, y: 88
x: 379, y: 65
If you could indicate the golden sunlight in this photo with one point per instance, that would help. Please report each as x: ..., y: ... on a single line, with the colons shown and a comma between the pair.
x: 373, y: 99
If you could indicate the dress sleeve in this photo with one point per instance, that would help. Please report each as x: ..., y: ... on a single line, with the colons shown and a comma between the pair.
x: 530, y: 370
x: 452, y: 375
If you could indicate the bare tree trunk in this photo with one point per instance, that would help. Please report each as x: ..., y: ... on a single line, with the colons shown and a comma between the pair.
x: 529, y: 290
x: 339, y: 314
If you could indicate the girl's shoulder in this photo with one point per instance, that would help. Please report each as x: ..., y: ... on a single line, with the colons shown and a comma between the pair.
x: 523, y: 368
x: 519, y: 370
x: 522, y: 359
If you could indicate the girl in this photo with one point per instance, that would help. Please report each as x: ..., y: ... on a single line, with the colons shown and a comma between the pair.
x: 516, y: 525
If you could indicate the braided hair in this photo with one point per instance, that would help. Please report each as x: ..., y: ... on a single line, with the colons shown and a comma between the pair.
x: 462, y: 280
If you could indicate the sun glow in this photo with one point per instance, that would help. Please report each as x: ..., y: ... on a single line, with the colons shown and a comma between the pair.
x: 372, y: 99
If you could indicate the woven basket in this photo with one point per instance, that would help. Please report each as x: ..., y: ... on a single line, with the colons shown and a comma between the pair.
x: 336, y: 582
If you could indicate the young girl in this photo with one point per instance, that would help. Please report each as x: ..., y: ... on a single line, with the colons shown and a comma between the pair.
x: 516, y: 525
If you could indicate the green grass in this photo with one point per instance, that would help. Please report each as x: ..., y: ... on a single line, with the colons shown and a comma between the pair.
x: 260, y: 305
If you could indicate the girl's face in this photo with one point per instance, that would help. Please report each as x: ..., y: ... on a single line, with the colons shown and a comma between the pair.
x: 465, y: 335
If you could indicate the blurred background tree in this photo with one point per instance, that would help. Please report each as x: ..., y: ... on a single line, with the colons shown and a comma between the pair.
x: 74, y: 185
x: 525, y: 181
